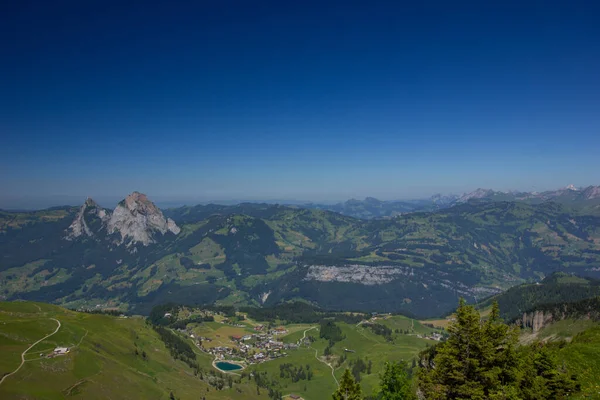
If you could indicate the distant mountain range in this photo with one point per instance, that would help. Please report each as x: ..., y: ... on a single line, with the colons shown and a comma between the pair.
x: 586, y: 200
x: 136, y: 255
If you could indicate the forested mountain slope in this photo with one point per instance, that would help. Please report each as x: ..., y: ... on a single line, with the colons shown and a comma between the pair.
x: 558, y: 288
x: 262, y: 254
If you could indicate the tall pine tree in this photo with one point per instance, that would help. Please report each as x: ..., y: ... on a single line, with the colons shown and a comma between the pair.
x: 394, y: 383
x: 349, y: 389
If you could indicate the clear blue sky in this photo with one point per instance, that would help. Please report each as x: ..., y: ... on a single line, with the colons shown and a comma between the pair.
x: 226, y: 99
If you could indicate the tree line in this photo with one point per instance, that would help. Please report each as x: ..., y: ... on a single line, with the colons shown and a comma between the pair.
x: 380, y: 329
x: 300, y: 373
x: 179, y: 348
x: 297, y: 312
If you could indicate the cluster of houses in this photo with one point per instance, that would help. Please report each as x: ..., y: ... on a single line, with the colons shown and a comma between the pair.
x: 274, y: 331
x: 233, y: 323
x: 257, y: 347
x: 253, y: 348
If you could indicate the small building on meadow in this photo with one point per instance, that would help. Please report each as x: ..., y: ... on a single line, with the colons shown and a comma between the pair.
x: 61, y: 351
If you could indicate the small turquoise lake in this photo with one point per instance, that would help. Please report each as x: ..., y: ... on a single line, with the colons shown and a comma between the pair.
x: 225, y: 366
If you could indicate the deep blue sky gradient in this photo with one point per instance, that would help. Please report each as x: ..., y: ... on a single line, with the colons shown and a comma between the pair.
x: 208, y: 100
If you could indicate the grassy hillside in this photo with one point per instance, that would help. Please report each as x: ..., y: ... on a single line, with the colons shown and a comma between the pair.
x: 124, y: 358
x: 102, y: 362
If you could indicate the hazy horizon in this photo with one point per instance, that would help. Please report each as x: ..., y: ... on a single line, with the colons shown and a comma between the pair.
x: 41, y: 202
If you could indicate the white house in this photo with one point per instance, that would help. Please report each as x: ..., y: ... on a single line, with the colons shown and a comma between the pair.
x: 61, y: 350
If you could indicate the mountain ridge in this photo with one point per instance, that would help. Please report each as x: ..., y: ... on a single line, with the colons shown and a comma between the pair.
x: 585, y: 200
x: 135, y: 219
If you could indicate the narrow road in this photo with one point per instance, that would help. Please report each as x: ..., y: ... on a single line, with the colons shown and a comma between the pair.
x: 29, y: 348
x: 330, y: 366
x: 316, y: 356
x: 304, y: 334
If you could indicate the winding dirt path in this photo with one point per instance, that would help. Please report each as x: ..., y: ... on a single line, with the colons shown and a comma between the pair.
x: 329, y: 365
x: 304, y: 334
x: 317, y: 355
x: 29, y: 348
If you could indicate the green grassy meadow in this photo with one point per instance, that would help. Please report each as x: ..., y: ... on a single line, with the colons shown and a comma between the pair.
x: 361, y: 340
x: 102, y: 363
x: 106, y: 360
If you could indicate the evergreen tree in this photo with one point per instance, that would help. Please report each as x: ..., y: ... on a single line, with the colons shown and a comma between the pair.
x: 456, y: 372
x: 349, y: 389
x: 480, y: 360
x: 394, y: 383
x: 499, y: 362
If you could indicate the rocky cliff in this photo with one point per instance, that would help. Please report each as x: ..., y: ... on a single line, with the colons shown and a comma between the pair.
x: 135, y: 220
x: 536, y: 320
x: 138, y: 220
x: 363, y: 274
x: 89, y: 214
x: 545, y: 315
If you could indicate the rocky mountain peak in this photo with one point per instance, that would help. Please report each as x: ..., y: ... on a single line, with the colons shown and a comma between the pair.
x: 476, y: 194
x: 441, y: 199
x: 139, y: 202
x: 88, y: 213
x: 138, y: 220
x: 89, y: 202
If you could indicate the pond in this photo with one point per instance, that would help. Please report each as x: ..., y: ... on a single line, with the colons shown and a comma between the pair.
x: 225, y: 366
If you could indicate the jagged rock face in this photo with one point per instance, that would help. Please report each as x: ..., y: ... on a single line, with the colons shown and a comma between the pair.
x: 137, y: 220
x: 536, y: 320
x: 591, y: 192
x: 172, y: 226
x: 90, y: 213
